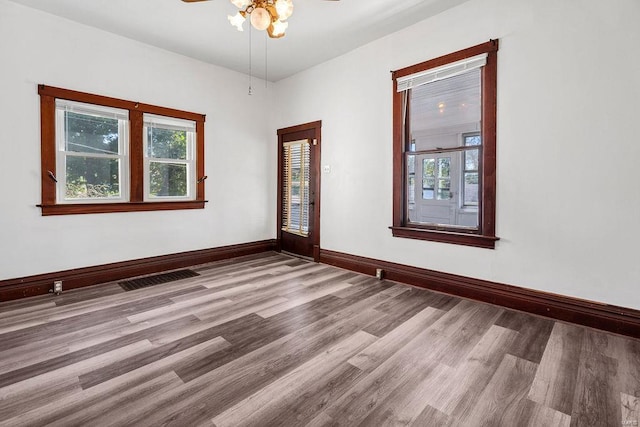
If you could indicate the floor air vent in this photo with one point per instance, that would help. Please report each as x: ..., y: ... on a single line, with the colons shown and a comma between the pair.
x: 158, y: 279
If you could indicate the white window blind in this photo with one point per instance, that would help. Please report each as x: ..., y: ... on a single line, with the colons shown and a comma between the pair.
x: 295, y: 191
x: 152, y: 120
x: 440, y: 73
x: 92, y: 110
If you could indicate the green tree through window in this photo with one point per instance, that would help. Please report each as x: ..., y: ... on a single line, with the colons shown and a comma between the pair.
x: 167, y: 179
x: 88, y: 139
x: 169, y: 152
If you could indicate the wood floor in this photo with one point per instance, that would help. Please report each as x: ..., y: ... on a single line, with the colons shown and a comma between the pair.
x: 270, y: 340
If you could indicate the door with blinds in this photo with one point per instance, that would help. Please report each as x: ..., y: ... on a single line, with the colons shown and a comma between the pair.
x: 299, y: 190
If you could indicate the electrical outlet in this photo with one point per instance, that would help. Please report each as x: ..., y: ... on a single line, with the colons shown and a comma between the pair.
x: 379, y: 273
x: 57, y: 287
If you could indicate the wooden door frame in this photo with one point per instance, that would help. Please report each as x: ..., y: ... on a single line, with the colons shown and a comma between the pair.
x: 315, y: 169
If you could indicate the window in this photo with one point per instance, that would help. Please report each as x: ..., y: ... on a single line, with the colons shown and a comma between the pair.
x: 102, y: 154
x: 295, y: 187
x: 169, y: 158
x: 444, y: 148
x: 470, y: 168
x: 91, y: 152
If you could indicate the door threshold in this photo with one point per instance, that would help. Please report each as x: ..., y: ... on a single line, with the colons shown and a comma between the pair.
x: 306, y: 258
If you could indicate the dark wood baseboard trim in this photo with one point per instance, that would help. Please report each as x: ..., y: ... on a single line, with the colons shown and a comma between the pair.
x: 41, y: 284
x: 625, y: 321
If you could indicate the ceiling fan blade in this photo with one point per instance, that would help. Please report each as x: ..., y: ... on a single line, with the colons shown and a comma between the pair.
x: 195, y: 1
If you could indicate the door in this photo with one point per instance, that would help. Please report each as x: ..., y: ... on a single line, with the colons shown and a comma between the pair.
x: 437, y: 189
x: 299, y: 190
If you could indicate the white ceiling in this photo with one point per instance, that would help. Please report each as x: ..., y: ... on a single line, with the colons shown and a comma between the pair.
x: 318, y: 30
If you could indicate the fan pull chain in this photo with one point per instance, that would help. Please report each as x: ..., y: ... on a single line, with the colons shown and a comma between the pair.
x: 250, y: 70
x: 266, y: 69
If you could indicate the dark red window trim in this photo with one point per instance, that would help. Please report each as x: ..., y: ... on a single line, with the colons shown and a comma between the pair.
x: 49, y: 205
x: 484, y: 236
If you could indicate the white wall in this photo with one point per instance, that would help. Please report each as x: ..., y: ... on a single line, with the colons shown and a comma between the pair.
x: 39, y: 48
x: 568, y: 201
x: 568, y: 152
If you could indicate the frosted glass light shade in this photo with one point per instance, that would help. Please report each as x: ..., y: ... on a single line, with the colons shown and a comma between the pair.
x: 237, y: 20
x: 279, y: 28
x: 260, y: 18
x: 284, y: 9
x: 241, y: 3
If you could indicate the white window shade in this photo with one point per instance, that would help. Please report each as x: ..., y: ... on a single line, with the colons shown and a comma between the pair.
x: 92, y: 109
x: 152, y: 120
x: 440, y: 73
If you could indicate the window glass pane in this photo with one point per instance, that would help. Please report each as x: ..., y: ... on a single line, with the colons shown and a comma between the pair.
x: 443, y: 110
x: 429, y: 168
x: 472, y: 140
x: 428, y: 178
x: 90, y: 177
x: 90, y: 134
x: 167, y: 179
x: 471, y: 159
x: 440, y: 113
x: 166, y: 143
x: 428, y: 193
x: 428, y: 188
x: 444, y: 167
x: 449, y: 192
x: 471, y: 188
x: 444, y: 189
x: 169, y: 150
x: 411, y: 189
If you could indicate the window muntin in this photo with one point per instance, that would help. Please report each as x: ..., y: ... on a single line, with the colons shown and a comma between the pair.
x: 437, y: 104
x: 91, y: 153
x: 169, y: 148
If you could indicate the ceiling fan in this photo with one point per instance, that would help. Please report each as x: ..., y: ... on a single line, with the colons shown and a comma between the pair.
x: 270, y: 15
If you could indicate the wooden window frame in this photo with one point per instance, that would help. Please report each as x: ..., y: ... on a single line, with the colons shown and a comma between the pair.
x: 484, y: 236
x: 136, y: 203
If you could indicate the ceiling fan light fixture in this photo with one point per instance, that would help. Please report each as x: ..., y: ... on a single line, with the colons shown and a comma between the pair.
x: 269, y: 15
x: 260, y: 18
x: 237, y: 20
x: 241, y: 4
x: 279, y: 27
x: 284, y: 9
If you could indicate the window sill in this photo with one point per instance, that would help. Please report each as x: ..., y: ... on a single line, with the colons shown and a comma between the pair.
x: 466, y: 239
x: 94, y: 208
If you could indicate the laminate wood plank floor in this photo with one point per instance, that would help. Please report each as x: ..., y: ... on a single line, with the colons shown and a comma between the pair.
x: 272, y: 340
